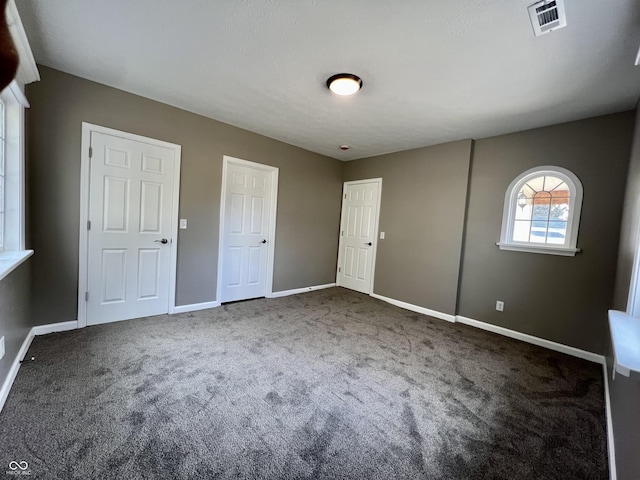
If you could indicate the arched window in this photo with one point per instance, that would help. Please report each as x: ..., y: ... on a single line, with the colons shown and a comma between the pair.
x: 542, y: 212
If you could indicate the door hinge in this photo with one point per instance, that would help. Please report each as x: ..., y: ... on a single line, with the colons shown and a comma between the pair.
x: 90, y: 152
x: 86, y: 296
x: 339, y: 269
x: 342, y: 233
x: 88, y: 224
x: 345, y: 196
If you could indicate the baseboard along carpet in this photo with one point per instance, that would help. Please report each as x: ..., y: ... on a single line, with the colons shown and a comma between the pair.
x: 330, y: 384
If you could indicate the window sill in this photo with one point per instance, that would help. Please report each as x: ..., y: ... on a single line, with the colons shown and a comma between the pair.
x: 625, y: 337
x: 9, y: 261
x: 563, y: 251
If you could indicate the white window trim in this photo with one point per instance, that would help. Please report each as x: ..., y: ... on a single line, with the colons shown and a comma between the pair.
x: 14, y: 252
x: 510, y: 203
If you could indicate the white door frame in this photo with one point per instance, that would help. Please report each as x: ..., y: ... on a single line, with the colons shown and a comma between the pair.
x: 226, y: 160
x: 85, y: 171
x: 375, y: 229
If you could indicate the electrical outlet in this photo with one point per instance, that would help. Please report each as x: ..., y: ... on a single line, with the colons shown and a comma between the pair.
x: 499, y: 306
x: 381, y: 235
x: 1, y: 347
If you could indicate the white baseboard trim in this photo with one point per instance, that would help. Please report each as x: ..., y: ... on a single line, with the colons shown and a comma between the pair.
x: 195, y: 307
x: 15, y: 366
x: 613, y: 474
x: 541, y: 342
x: 55, y: 327
x: 416, y: 308
x: 295, y: 291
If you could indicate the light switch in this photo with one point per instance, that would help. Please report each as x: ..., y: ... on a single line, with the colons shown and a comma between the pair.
x: 381, y: 235
x: 183, y: 224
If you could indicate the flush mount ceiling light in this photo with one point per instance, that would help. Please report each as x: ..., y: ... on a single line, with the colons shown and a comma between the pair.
x: 344, y: 84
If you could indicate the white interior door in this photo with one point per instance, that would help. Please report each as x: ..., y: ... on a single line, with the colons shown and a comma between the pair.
x: 248, y: 222
x: 358, y: 231
x: 130, y: 236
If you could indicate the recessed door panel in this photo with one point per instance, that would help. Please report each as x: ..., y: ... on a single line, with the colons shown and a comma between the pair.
x: 349, y: 261
x: 151, y: 164
x: 352, y: 221
x: 259, y: 183
x: 234, y: 267
x: 116, y: 204
x: 366, y: 222
x: 362, y: 263
x: 150, y: 207
x: 257, y: 213
x: 114, y: 279
x: 236, y: 220
x: 254, y: 264
x: 114, y: 157
x: 148, y: 273
x: 238, y: 179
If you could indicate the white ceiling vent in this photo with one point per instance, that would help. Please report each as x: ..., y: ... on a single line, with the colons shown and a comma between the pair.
x: 547, y: 15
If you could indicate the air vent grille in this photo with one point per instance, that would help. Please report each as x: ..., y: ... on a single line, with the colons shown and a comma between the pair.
x: 546, y: 16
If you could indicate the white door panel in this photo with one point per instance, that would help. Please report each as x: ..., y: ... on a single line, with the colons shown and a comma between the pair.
x: 246, y: 231
x: 358, y: 235
x: 131, y: 189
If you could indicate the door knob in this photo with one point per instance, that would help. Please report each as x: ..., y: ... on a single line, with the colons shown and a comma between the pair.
x: 264, y: 240
x: 163, y: 241
x: 368, y: 243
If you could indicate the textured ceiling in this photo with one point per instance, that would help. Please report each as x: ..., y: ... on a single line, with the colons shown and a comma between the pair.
x: 433, y: 71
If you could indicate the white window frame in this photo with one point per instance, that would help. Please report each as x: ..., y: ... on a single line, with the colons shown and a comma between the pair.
x: 13, y: 252
x: 573, y: 221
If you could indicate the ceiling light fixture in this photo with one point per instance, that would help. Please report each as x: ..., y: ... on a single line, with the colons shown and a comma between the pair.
x: 344, y: 84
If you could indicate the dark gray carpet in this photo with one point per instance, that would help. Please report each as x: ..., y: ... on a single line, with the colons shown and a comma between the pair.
x: 327, y: 384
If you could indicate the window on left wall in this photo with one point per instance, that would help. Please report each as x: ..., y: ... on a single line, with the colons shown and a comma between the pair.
x: 12, y: 172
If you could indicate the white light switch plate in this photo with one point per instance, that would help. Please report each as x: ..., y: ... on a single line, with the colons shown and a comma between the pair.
x: 1, y: 347
x: 183, y: 224
x: 381, y: 235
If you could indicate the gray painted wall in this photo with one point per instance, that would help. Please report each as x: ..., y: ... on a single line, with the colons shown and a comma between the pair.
x: 308, y: 197
x: 15, y: 320
x: 422, y: 215
x: 624, y: 392
x: 563, y: 299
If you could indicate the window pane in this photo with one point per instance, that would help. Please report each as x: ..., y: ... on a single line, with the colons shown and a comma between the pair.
x: 524, y: 213
x: 527, y: 191
x: 551, y: 183
x: 541, y: 209
x: 562, y: 190
x: 559, y: 209
x: 524, y: 201
x: 540, y: 217
x: 536, y: 184
x: 521, y: 229
x: 557, y: 233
